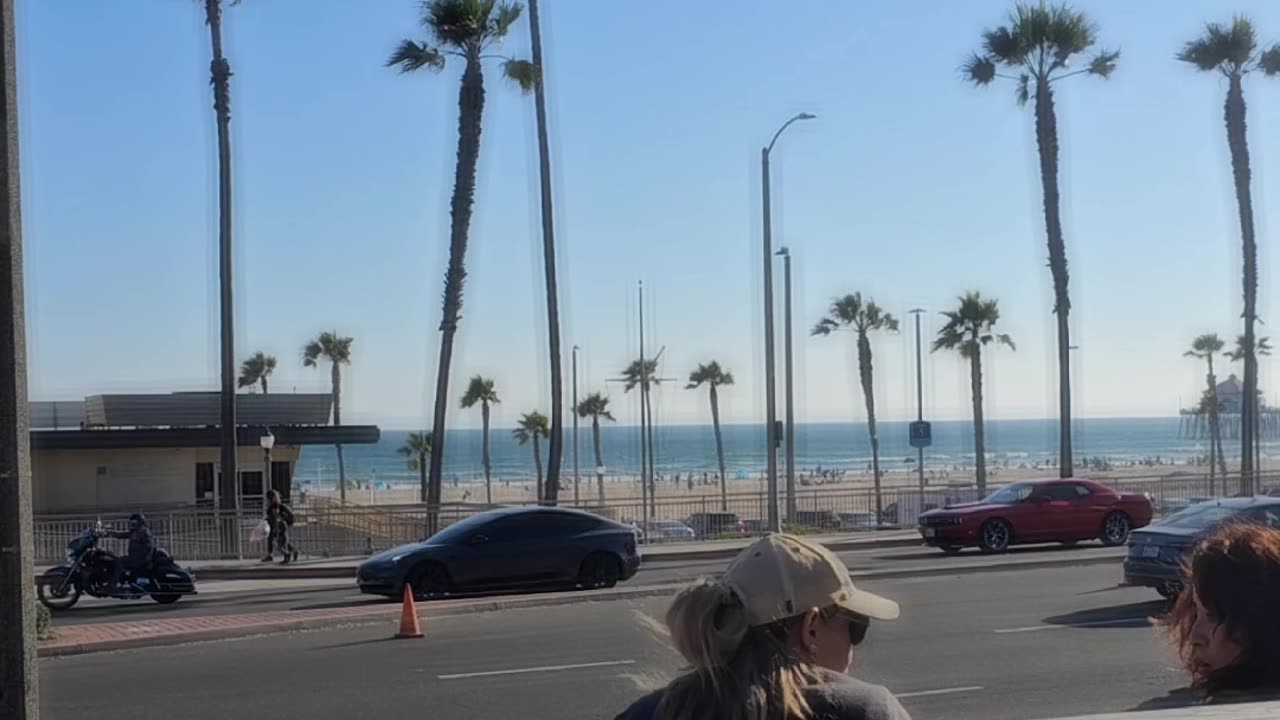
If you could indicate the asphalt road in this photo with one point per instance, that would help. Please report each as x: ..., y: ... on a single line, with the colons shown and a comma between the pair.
x: 248, y: 596
x: 1030, y: 644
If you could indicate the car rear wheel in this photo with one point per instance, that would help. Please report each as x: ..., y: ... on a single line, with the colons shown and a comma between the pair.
x: 599, y: 570
x: 1115, y: 529
x: 165, y: 598
x: 996, y: 536
x: 951, y: 549
x: 429, y: 581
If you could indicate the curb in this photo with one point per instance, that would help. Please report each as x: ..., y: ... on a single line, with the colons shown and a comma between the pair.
x: 426, y: 611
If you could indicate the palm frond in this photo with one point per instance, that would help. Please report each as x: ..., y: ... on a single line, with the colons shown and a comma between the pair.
x: 824, y: 327
x: 979, y: 69
x: 410, y: 56
x: 311, y: 353
x: 479, y: 390
x: 523, y: 73
x: 1104, y: 63
x: 502, y: 21
x: 1005, y: 46
x: 1269, y: 61
x: 1223, y: 47
x: 459, y: 24
x: 1024, y: 89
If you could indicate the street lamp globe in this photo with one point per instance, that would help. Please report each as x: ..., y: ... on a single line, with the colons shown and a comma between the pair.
x: 267, y: 441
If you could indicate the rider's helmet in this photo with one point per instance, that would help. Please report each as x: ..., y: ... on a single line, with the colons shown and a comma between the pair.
x: 136, y: 521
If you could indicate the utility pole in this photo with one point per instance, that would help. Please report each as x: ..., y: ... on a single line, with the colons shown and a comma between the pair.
x: 19, y: 691
x: 788, y: 393
x: 770, y: 382
x: 919, y: 405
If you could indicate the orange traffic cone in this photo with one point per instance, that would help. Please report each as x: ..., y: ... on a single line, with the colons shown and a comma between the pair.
x: 409, y: 616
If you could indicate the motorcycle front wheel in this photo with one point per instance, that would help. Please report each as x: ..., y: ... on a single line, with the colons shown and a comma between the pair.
x: 57, y: 592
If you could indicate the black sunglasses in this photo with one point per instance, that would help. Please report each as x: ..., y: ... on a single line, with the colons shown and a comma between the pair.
x: 858, y: 626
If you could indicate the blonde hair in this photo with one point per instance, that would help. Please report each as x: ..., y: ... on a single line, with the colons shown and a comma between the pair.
x: 737, y: 672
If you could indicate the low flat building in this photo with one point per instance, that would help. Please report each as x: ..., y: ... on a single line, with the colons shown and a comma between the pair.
x: 163, y: 450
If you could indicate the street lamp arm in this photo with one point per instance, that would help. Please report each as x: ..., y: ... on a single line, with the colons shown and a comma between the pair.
x: 785, y: 125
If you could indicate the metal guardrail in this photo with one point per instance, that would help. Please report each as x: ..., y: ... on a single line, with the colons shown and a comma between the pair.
x: 326, y: 528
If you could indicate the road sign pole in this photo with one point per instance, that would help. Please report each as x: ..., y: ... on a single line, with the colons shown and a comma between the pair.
x: 919, y: 406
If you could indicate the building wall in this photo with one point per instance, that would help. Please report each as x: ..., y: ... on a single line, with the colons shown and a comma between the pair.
x: 74, y: 480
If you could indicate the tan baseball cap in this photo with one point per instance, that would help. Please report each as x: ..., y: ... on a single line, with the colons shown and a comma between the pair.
x: 780, y: 576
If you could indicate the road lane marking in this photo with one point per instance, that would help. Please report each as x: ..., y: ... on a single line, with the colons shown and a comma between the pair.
x: 1094, y: 623
x: 544, y: 668
x: 940, y: 691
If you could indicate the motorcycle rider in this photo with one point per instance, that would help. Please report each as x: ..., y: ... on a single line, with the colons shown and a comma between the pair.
x: 279, y: 519
x: 141, y: 546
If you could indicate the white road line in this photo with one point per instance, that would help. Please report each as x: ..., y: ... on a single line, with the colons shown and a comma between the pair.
x: 544, y: 668
x: 941, y: 691
x: 1095, y: 623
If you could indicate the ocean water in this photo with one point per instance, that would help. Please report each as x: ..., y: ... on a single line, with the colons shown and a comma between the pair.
x: 691, y: 448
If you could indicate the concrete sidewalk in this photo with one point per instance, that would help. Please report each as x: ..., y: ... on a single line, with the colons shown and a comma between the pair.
x: 345, y: 567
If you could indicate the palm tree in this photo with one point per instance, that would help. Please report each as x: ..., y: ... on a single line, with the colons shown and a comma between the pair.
x: 481, y: 391
x: 852, y: 313
x: 535, y: 77
x: 1036, y: 48
x: 714, y: 377
x: 466, y: 29
x: 644, y: 373
x: 596, y: 406
x: 968, y: 329
x: 256, y: 369
x: 1233, y: 52
x: 1236, y: 355
x: 416, y: 448
x: 337, y: 350
x: 533, y: 426
x: 1204, y: 348
x: 220, y: 79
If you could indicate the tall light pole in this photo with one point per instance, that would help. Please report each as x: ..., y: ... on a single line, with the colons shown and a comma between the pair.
x: 575, y: 424
x: 788, y: 394
x: 266, y: 441
x: 919, y: 405
x: 771, y: 401
x: 19, y: 690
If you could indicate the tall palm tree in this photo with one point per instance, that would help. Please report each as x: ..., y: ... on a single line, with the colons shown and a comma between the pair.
x: 1233, y: 52
x: 862, y: 317
x: 1035, y: 50
x: 535, y: 77
x: 220, y: 80
x: 1204, y: 348
x: 1236, y: 355
x: 465, y: 29
x: 714, y: 377
x: 256, y: 369
x: 643, y: 373
x: 337, y: 350
x: 969, y: 327
x: 533, y: 426
x: 596, y: 406
x: 481, y: 390
x: 416, y: 448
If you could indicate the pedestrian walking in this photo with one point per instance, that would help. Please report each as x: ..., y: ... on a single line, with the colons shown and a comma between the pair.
x: 1224, y: 623
x: 279, y: 520
x: 774, y: 637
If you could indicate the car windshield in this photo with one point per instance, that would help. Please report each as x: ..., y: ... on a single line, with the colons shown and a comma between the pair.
x: 1010, y: 494
x: 1200, y: 516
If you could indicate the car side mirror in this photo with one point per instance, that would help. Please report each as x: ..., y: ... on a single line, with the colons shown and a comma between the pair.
x: 477, y: 539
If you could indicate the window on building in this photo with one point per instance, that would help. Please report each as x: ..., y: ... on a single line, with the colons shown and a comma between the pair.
x: 204, y: 482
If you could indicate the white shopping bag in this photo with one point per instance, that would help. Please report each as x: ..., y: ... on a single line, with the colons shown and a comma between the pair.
x: 260, y: 532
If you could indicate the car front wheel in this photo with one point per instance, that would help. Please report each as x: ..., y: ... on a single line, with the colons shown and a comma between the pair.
x: 429, y: 581
x: 996, y: 536
x: 1115, y: 529
x: 599, y: 570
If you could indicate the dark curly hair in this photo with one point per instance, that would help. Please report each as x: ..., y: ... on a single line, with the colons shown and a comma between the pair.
x: 1235, y: 573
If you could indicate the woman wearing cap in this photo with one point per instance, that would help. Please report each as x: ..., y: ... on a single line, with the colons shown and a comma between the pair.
x: 772, y: 639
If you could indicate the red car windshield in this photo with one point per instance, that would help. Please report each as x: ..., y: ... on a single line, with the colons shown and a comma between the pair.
x: 1009, y: 494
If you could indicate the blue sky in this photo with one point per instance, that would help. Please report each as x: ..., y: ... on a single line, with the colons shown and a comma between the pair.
x: 911, y: 186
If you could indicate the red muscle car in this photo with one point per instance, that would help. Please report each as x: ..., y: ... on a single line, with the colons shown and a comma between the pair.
x: 1037, y: 511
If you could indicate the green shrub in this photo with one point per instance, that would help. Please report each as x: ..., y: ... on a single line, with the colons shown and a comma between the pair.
x: 44, y: 622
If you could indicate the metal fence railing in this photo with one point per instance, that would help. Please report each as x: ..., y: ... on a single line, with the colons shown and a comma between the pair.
x: 326, y: 528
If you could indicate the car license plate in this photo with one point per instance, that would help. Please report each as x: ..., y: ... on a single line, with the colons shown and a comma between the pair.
x: 1150, y: 551
x: 929, y: 532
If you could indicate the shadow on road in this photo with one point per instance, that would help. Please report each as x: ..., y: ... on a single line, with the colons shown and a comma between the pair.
x: 1130, y: 615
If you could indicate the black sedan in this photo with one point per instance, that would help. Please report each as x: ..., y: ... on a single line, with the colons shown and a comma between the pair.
x: 504, y: 549
x: 1156, y: 552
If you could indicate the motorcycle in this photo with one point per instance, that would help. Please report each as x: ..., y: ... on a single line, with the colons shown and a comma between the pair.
x: 89, y: 571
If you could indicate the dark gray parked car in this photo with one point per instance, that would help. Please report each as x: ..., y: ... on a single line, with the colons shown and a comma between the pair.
x: 1156, y: 552
x: 507, y: 548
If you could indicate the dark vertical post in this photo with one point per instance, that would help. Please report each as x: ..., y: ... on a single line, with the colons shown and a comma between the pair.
x: 788, y: 392
x: 919, y: 407
x: 645, y: 487
x: 19, y: 696
x: 576, y: 498
x: 770, y: 401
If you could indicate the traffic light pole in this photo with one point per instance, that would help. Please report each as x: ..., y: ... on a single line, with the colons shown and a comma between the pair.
x: 19, y: 694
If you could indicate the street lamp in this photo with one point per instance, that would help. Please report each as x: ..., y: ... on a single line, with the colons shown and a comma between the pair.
x: 575, y: 424
x: 771, y: 402
x: 919, y: 405
x: 267, y: 441
x: 788, y: 394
